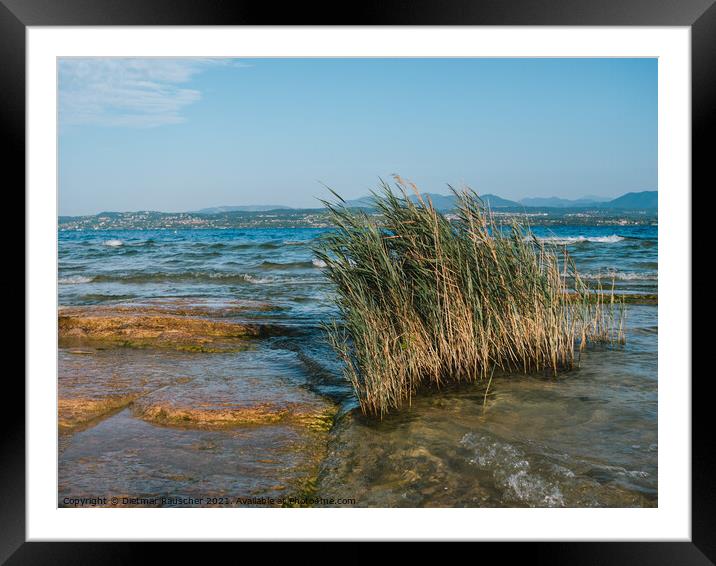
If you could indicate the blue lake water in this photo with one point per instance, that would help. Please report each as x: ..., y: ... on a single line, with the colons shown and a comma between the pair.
x: 587, y: 438
x: 278, y: 265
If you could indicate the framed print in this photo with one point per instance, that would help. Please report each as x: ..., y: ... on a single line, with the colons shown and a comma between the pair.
x: 422, y: 275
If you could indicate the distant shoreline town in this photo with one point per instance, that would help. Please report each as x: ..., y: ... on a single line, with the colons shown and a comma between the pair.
x: 629, y: 209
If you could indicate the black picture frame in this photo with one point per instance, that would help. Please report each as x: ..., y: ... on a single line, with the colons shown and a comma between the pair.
x: 699, y: 15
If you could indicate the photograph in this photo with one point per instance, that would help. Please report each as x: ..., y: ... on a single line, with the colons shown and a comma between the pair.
x: 382, y: 282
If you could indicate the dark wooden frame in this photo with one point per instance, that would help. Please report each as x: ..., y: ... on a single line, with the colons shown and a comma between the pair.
x: 700, y: 15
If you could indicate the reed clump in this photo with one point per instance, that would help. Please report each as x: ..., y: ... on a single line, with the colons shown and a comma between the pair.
x: 425, y: 299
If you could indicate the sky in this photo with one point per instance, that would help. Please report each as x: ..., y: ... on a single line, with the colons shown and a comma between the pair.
x: 185, y: 134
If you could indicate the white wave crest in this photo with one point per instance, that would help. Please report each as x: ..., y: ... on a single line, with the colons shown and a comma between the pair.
x: 74, y: 280
x: 256, y: 280
x: 512, y: 471
x: 318, y: 262
x: 621, y: 275
x: 613, y: 239
x: 113, y: 243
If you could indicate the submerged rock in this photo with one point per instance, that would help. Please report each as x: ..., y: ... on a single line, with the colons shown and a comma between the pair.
x: 534, y: 444
x: 143, y: 465
x: 260, y: 386
x: 225, y: 402
x: 157, y: 324
x: 97, y: 383
x: 156, y: 421
x: 73, y: 413
x: 188, y: 306
x: 224, y: 429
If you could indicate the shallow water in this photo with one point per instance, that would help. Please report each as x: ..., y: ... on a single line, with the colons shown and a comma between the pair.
x: 127, y: 454
x: 587, y: 438
x: 126, y: 457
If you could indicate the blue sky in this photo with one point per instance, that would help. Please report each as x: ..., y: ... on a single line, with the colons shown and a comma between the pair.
x: 184, y: 134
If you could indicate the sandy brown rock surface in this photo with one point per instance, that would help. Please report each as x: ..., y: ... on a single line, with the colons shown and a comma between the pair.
x: 215, y: 403
x: 183, y: 397
x: 93, y: 384
x: 159, y: 324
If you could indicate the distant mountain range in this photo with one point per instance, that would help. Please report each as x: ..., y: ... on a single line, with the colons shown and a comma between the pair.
x: 249, y: 208
x: 645, y: 200
x: 556, y: 202
x: 631, y: 201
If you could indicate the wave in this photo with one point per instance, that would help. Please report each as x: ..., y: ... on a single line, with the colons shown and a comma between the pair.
x: 613, y: 239
x: 292, y: 264
x: 621, y: 275
x: 240, y: 245
x: 113, y: 243
x: 258, y: 280
x: 75, y: 280
x: 513, y: 471
x: 182, y: 276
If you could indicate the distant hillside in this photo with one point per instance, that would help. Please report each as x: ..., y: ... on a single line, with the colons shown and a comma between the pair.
x: 644, y: 200
x: 440, y: 202
x: 493, y: 201
x: 557, y: 202
x: 248, y: 208
x: 362, y: 202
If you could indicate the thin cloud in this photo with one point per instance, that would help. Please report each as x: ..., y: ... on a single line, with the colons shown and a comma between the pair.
x: 124, y: 92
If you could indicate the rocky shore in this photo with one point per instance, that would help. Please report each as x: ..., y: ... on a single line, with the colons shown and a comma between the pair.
x: 190, y: 371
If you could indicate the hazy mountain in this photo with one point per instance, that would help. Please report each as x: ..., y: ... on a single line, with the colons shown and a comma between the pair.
x: 594, y: 198
x: 440, y: 202
x: 557, y: 202
x: 248, y: 208
x: 493, y: 201
x: 362, y: 202
x: 644, y: 200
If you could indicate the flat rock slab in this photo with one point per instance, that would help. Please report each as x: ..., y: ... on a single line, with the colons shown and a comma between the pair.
x: 94, y: 383
x: 186, y: 306
x: 251, y: 389
x: 157, y: 324
x: 165, y: 427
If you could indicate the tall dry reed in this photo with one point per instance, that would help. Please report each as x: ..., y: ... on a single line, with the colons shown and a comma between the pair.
x: 425, y: 300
